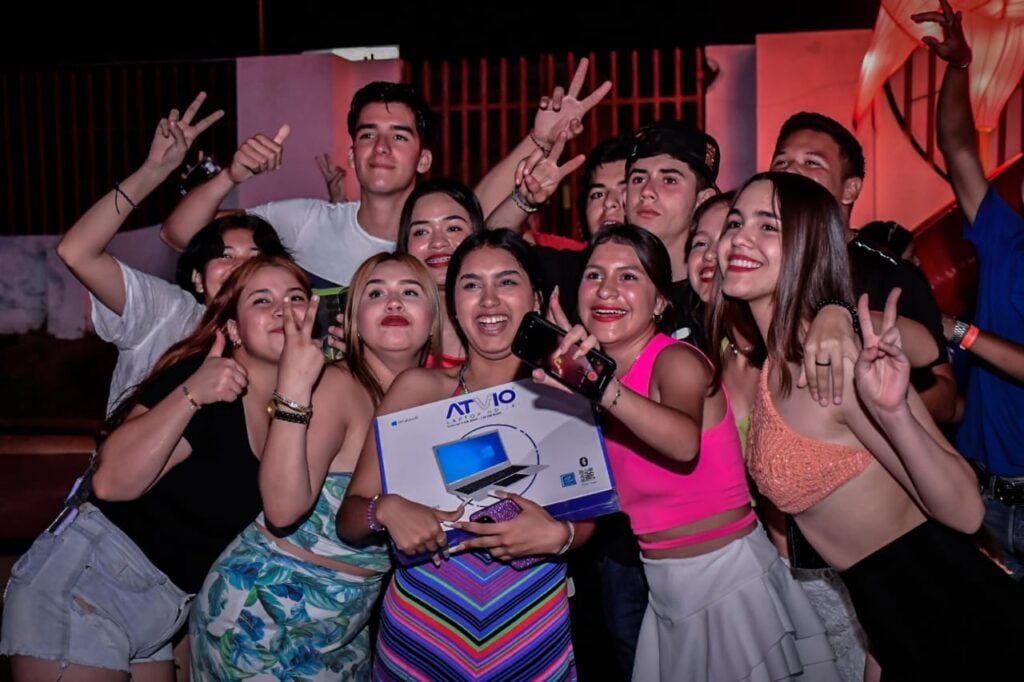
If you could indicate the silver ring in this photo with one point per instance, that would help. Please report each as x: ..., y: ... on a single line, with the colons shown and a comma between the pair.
x: 823, y: 364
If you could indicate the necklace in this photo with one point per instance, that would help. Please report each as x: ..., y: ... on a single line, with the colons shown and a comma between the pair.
x: 462, y: 380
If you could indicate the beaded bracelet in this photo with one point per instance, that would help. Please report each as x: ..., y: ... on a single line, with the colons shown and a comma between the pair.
x: 293, y: 417
x: 521, y: 201
x: 371, y: 515
x: 844, y: 305
x: 568, y: 543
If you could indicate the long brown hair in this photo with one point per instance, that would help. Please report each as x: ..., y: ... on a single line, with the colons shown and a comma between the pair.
x: 356, y: 348
x: 814, y: 267
x: 222, y: 308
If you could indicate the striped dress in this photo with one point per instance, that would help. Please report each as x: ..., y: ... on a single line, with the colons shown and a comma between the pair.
x: 476, y: 620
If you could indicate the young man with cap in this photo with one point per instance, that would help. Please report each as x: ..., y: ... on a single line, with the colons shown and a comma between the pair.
x: 390, y: 130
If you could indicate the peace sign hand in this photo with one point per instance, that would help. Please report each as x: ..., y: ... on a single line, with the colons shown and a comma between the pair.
x: 953, y: 48
x: 882, y: 372
x: 302, y: 359
x: 174, y: 135
x: 563, y: 111
x: 539, y: 174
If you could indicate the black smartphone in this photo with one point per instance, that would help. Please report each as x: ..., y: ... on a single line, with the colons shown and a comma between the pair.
x: 195, y: 175
x: 332, y: 303
x: 536, y: 343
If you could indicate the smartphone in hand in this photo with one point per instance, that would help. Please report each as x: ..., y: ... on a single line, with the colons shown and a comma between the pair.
x: 537, y: 342
x: 332, y: 303
x: 504, y: 510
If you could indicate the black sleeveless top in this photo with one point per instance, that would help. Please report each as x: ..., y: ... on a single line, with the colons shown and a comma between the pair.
x: 185, y: 521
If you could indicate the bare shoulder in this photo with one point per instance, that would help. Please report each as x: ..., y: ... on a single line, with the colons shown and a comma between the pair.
x: 417, y: 386
x: 339, y: 391
x: 682, y: 358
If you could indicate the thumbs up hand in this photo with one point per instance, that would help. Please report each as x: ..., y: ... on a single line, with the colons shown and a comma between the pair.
x: 258, y: 154
x: 218, y: 379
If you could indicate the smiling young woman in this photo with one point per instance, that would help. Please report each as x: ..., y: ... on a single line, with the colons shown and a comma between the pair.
x: 430, y: 610
x: 675, y: 452
x: 288, y: 598
x: 872, y: 483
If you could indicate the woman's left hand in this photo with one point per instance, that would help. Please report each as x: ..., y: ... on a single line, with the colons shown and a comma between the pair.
x: 882, y: 372
x: 302, y: 359
x: 533, y: 532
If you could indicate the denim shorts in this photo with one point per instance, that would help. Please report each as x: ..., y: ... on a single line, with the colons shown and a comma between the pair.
x: 86, y: 595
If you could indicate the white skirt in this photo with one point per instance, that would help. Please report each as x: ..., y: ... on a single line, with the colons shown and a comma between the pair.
x: 732, y: 614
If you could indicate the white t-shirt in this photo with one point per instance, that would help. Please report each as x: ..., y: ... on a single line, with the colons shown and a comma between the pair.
x: 157, y: 314
x: 325, y: 239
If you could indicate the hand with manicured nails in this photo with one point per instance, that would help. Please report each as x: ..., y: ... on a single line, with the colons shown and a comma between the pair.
x: 218, y: 379
x: 563, y: 111
x: 258, y: 154
x: 174, y: 135
x: 538, y: 175
x: 416, y: 528
x: 302, y: 359
x: 531, y: 533
x: 882, y: 372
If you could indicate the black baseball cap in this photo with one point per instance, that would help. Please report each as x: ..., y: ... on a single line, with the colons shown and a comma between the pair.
x: 680, y: 141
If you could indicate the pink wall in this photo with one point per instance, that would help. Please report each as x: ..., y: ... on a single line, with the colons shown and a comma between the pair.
x: 310, y: 92
x: 731, y: 111
x: 818, y: 72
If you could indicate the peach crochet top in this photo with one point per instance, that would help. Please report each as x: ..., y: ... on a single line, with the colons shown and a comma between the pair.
x: 793, y: 471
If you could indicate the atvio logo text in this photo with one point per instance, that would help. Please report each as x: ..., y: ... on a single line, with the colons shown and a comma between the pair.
x: 462, y: 408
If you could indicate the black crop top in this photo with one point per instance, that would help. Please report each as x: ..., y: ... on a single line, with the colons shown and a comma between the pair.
x: 185, y: 521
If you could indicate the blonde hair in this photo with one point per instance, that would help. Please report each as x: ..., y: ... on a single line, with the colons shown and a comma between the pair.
x: 356, y: 347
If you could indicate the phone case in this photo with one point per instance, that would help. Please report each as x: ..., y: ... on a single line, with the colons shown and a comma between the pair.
x: 529, y: 353
x: 503, y: 510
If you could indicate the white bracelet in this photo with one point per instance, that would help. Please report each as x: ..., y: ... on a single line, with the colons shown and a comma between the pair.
x: 568, y: 543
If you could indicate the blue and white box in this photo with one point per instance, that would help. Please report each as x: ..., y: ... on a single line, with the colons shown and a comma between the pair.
x: 522, y: 437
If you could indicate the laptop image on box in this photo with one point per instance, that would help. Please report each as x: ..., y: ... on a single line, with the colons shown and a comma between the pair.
x: 471, y: 467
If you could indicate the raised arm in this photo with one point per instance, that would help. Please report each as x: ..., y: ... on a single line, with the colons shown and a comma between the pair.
x: 256, y: 155
x: 83, y: 248
x: 909, y: 445
x: 536, y: 179
x: 296, y: 457
x: 562, y: 112
x: 958, y: 139
x: 149, y: 443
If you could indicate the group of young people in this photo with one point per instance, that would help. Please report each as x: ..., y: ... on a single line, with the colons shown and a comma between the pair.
x: 237, y: 485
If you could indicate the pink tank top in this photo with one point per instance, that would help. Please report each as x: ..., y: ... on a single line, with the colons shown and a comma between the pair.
x: 659, y: 494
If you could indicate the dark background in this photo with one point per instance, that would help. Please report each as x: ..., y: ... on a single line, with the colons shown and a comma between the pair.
x: 117, y: 30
